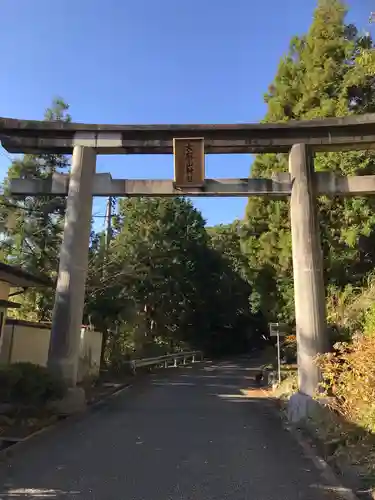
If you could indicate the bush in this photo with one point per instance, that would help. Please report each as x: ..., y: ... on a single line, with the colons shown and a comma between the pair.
x: 26, y: 384
x: 349, y: 376
x: 289, y: 349
x: 369, y: 321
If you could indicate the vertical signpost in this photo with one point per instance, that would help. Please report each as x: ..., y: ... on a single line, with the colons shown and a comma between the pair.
x: 278, y: 330
x: 189, y: 162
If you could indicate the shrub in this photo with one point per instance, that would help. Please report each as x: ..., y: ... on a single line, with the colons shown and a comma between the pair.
x: 289, y: 349
x: 26, y: 384
x: 369, y: 321
x: 288, y: 386
x: 349, y: 376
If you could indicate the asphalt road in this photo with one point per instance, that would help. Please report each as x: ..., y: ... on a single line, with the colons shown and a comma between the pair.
x: 187, y: 434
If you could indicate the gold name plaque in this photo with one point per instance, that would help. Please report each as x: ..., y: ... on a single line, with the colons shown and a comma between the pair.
x: 188, y: 162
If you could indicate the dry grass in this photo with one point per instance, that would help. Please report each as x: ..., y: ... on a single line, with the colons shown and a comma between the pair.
x: 345, y: 429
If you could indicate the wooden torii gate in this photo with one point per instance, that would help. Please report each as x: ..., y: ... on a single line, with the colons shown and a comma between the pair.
x: 190, y: 143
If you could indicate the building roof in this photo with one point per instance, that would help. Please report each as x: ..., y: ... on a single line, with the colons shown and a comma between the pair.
x: 17, y: 277
x: 9, y: 305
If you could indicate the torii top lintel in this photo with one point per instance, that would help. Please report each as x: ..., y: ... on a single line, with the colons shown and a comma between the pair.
x: 330, y: 134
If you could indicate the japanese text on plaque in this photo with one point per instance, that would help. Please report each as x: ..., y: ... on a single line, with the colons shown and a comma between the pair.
x: 189, y: 162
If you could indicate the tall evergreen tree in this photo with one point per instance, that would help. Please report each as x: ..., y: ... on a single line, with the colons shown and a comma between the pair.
x: 33, y: 224
x: 323, y: 75
x: 168, y: 280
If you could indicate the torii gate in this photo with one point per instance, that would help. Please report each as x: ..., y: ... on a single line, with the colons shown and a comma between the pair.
x: 190, y: 143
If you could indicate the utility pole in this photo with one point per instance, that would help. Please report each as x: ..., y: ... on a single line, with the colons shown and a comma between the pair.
x: 107, y: 231
x: 107, y: 242
x: 108, y: 225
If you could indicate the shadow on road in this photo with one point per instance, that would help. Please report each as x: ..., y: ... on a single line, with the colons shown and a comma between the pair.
x: 199, y: 433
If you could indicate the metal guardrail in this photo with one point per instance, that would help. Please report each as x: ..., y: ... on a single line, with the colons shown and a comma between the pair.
x: 165, y: 361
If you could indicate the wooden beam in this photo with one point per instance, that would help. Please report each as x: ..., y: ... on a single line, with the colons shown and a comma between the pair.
x: 279, y: 186
x: 333, y: 134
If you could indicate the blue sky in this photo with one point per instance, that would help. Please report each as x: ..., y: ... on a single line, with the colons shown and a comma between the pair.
x: 148, y: 61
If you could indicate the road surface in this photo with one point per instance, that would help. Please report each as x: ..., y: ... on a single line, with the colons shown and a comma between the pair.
x: 184, y: 434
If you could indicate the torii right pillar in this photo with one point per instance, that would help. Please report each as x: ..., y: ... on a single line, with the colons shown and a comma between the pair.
x: 309, y: 292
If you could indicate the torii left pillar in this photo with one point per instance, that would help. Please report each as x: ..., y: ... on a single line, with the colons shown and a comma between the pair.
x: 70, y: 290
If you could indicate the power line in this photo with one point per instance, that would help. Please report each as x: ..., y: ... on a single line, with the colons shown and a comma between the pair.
x: 108, y: 219
x: 6, y: 155
x: 36, y: 211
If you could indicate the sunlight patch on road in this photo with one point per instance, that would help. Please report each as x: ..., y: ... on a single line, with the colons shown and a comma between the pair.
x: 345, y: 493
x: 256, y: 392
x: 164, y: 383
x: 246, y: 394
x: 232, y: 396
x: 36, y: 493
x: 237, y: 398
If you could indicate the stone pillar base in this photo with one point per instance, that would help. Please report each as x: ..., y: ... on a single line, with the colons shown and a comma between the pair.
x: 301, y: 407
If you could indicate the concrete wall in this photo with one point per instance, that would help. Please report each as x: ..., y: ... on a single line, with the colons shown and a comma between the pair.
x: 27, y: 341
x: 4, y: 290
x: 24, y: 341
x: 89, y: 357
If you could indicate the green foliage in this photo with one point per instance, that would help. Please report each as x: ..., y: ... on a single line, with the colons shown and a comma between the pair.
x: 34, y: 225
x: 349, y: 376
x: 287, y: 387
x: 326, y: 73
x: 170, y: 283
x: 289, y: 349
x: 26, y: 384
x: 226, y: 240
x: 349, y: 382
x: 369, y: 321
x: 351, y: 309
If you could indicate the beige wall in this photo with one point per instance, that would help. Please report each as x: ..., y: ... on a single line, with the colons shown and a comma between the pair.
x: 26, y: 341
x: 4, y: 290
x: 90, y: 349
x: 5, y: 344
